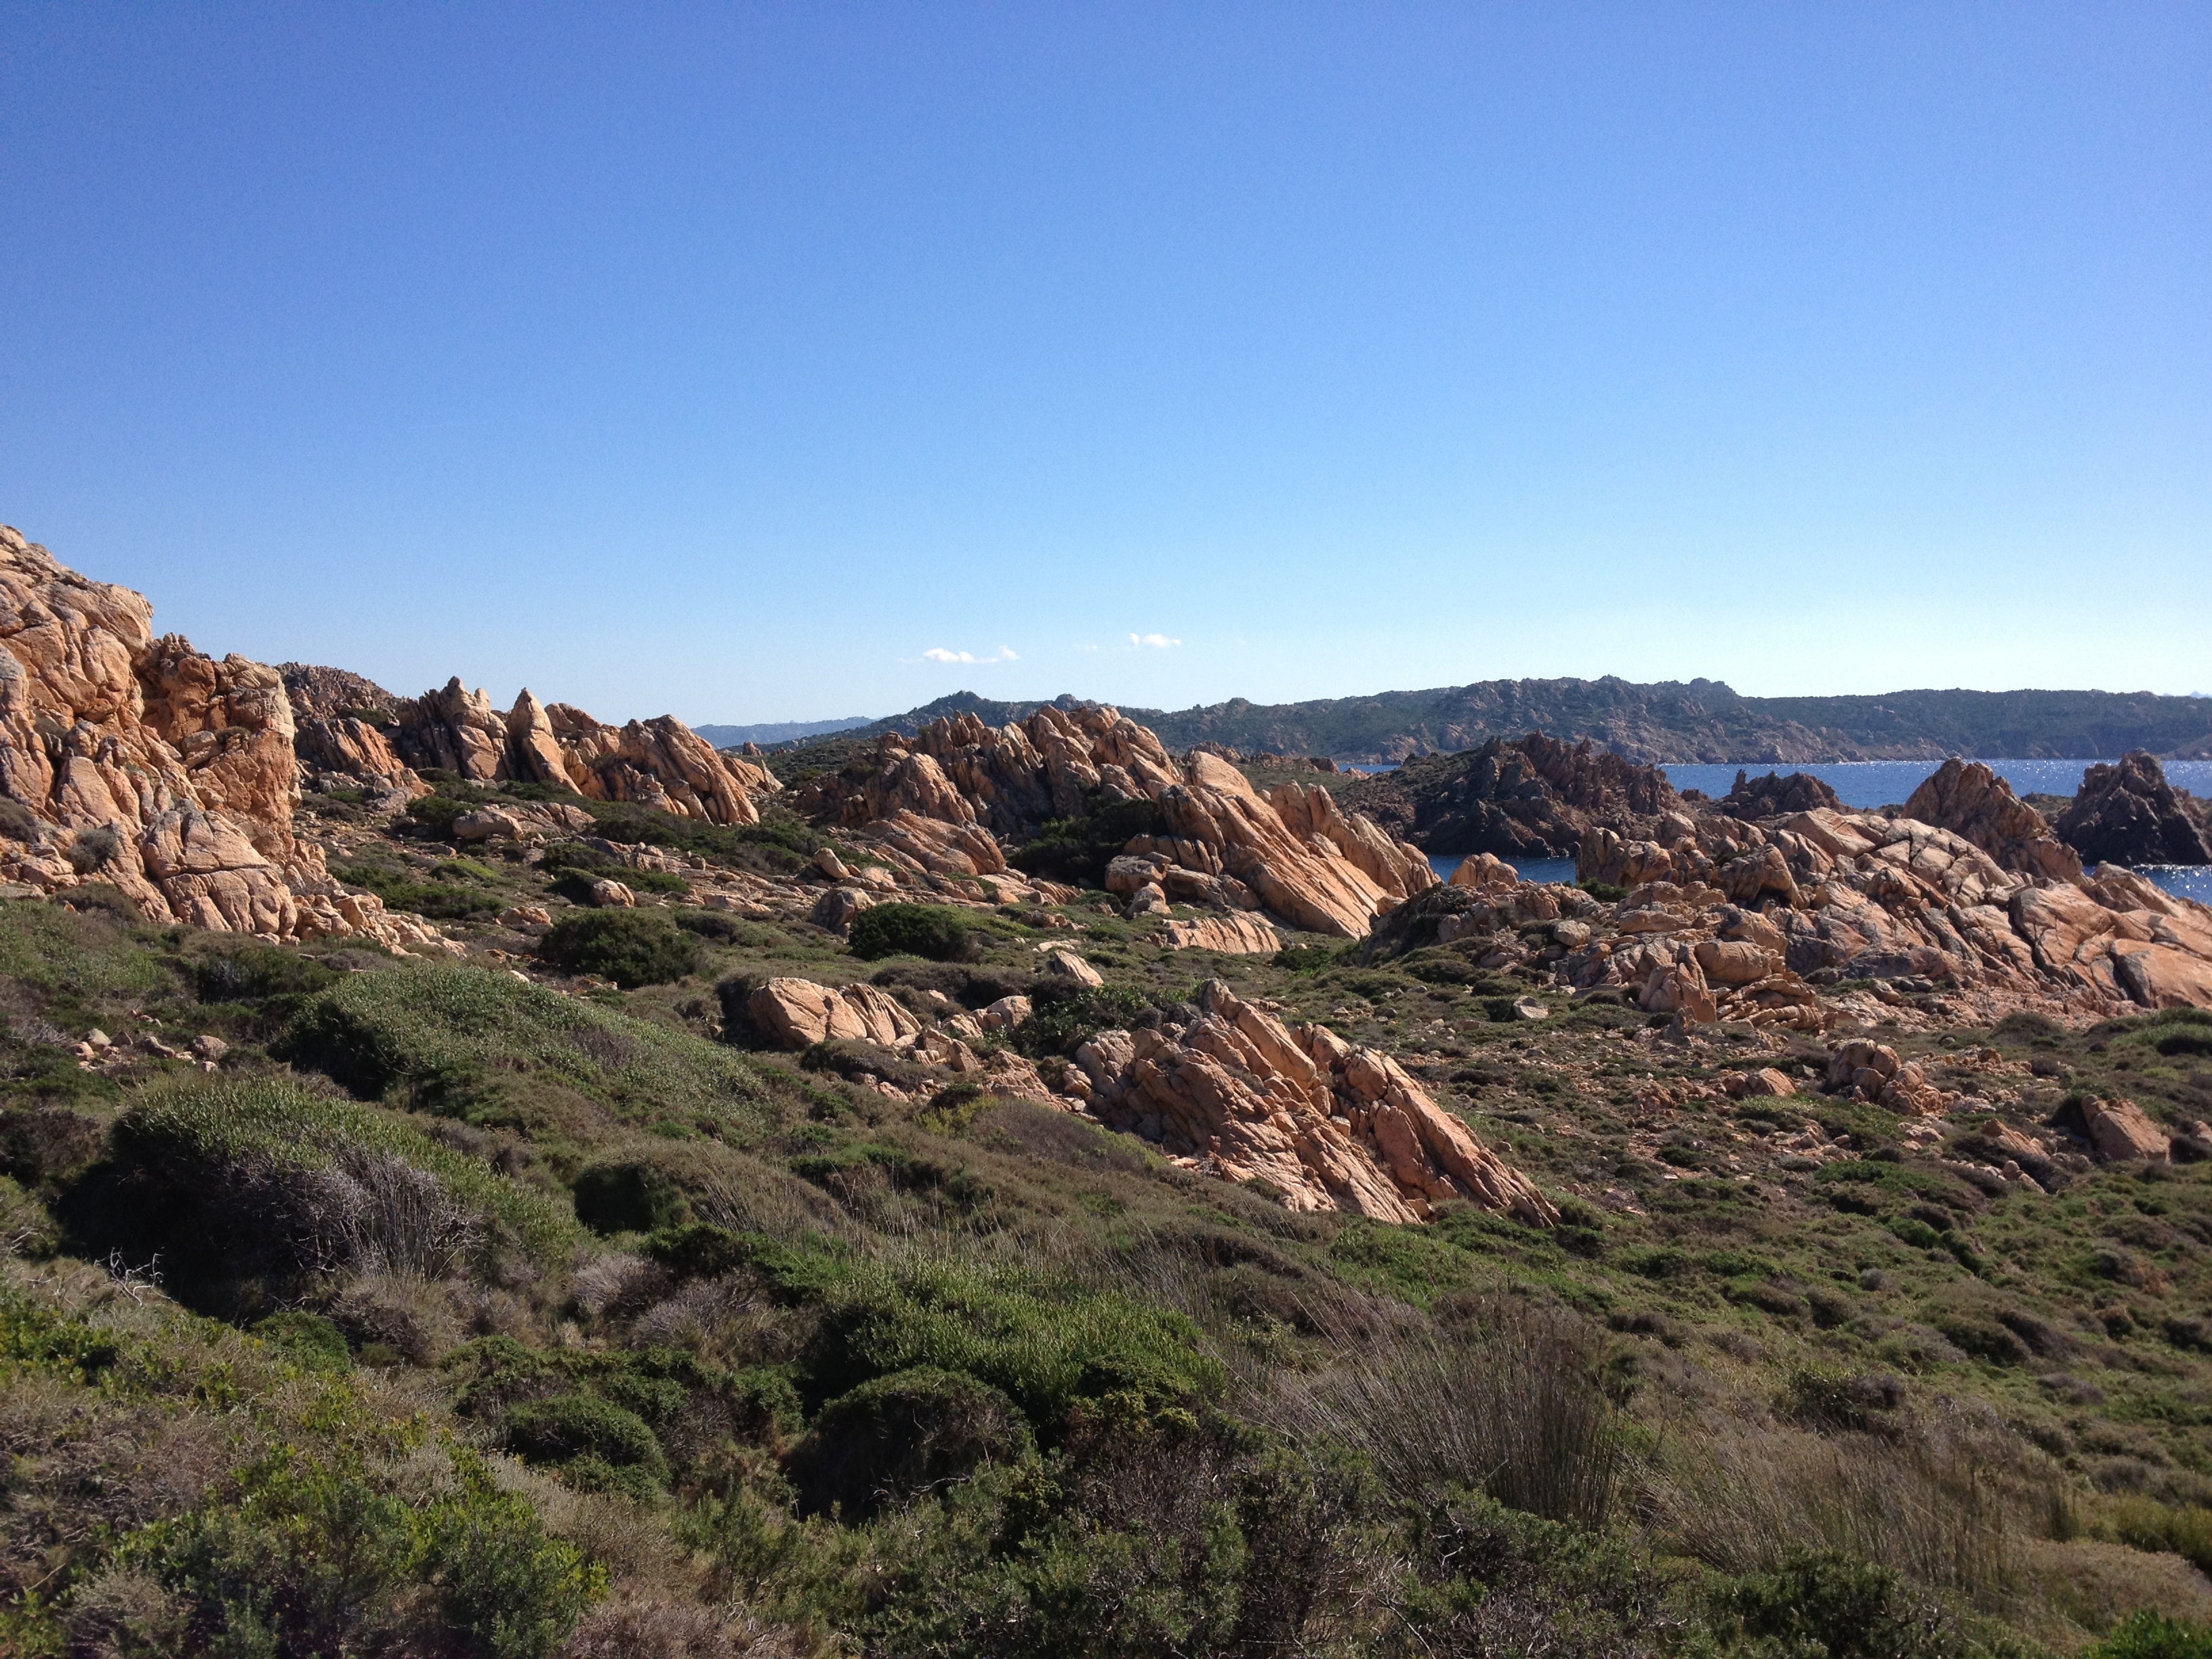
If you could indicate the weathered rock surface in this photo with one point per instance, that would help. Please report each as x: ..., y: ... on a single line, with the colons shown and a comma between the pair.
x: 939, y: 801
x: 1531, y: 797
x: 1237, y: 1093
x: 2121, y: 1131
x: 1859, y: 897
x: 521, y: 821
x: 797, y: 1012
x: 661, y: 763
x: 142, y: 763
x: 1239, y: 936
x: 2127, y: 813
x: 1968, y: 799
x: 1775, y: 795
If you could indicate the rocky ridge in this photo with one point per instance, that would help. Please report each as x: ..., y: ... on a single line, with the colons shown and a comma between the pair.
x: 2127, y: 813
x: 140, y: 764
x: 942, y: 801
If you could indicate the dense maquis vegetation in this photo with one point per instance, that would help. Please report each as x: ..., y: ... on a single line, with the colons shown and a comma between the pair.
x: 452, y: 1313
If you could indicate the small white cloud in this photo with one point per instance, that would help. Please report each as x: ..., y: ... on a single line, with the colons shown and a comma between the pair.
x: 1152, y: 641
x: 939, y: 653
x: 1086, y: 647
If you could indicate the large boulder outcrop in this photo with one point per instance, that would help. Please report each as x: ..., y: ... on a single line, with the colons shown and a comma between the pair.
x: 2127, y: 813
x: 141, y: 763
x: 1235, y: 1093
x: 1860, y: 896
x: 938, y: 803
x: 1774, y: 795
x: 660, y: 764
x: 1970, y: 799
x: 1532, y: 797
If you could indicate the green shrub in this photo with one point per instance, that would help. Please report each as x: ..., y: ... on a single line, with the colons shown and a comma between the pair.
x: 248, y: 973
x: 627, y: 1198
x: 2151, y: 1635
x: 1831, y: 1605
x: 312, y: 1557
x: 1066, y: 1015
x: 455, y: 897
x: 461, y: 1040
x: 591, y: 1435
x: 2143, y: 1523
x: 934, y: 931
x: 1049, y: 1347
x: 1078, y: 849
x: 630, y: 947
x: 237, y: 1181
x: 312, y: 1338
x: 901, y: 1435
x: 576, y: 885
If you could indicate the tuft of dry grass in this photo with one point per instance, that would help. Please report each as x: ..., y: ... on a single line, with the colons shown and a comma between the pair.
x: 1510, y: 1404
x: 1946, y: 1502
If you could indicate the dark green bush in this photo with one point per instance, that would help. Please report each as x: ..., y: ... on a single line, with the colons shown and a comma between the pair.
x: 588, y: 1434
x: 247, y: 973
x: 1050, y: 1346
x: 462, y: 1041
x: 575, y: 885
x: 316, y: 1340
x: 1078, y: 849
x: 1831, y: 1605
x: 902, y: 1435
x: 627, y: 1198
x: 934, y: 931
x: 630, y: 947
x: 1066, y: 1015
x: 259, y: 1187
x: 311, y: 1556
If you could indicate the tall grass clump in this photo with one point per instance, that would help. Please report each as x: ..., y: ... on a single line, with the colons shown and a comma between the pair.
x: 1945, y: 1503
x: 1511, y: 1406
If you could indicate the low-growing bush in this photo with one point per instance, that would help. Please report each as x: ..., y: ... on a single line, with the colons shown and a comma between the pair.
x: 312, y: 1557
x: 313, y: 1338
x: 630, y: 947
x: 595, y: 1441
x: 1064, y: 1015
x: 935, y: 930
x: 462, y: 1041
x: 1833, y: 1605
x: 240, y: 1182
x: 249, y: 973
x: 2150, y: 1635
x: 627, y: 1198
x: 899, y: 1436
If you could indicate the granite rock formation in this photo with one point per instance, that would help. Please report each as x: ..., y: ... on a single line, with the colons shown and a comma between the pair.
x: 1532, y: 797
x: 940, y: 801
x: 1235, y: 1093
x: 140, y: 764
x: 2127, y: 813
x: 1970, y: 799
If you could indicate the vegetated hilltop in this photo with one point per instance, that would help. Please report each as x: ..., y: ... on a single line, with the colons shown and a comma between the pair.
x: 733, y: 737
x: 1701, y: 721
x: 1024, y: 1191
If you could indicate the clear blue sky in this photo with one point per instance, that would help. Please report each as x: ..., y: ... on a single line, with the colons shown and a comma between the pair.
x: 731, y: 360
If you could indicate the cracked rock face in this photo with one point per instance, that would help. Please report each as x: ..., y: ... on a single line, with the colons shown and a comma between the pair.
x: 143, y: 765
x: 2127, y: 813
x: 1236, y: 1093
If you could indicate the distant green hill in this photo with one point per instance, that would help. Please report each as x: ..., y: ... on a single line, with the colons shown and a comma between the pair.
x: 1671, y: 721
